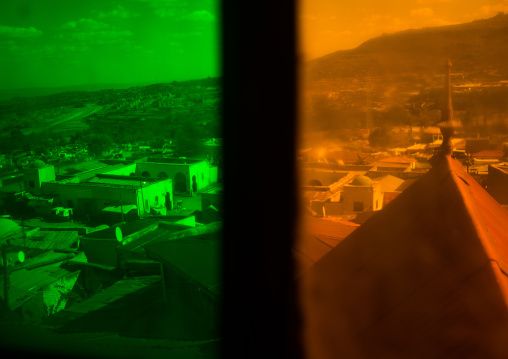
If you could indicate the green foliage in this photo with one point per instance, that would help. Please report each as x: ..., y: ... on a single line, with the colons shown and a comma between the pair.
x: 381, y: 137
x: 188, y: 139
x: 98, y: 143
x: 157, y: 142
x: 327, y: 116
x: 398, y: 116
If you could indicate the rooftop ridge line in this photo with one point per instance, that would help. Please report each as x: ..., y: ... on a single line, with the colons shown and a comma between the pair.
x: 467, y: 197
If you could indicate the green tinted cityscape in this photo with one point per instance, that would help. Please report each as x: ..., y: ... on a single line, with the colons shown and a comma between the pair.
x: 111, y: 178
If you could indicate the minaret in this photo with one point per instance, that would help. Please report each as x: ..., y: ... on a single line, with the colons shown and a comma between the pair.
x: 446, y: 124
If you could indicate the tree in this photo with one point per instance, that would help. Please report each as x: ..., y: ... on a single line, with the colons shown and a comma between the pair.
x: 400, y: 116
x: 381, y: 137
x: 157, y: 142
x: 97, y: 143
x: 188, y: 139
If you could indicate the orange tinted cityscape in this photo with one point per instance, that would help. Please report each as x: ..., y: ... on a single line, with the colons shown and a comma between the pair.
x: 403, y: 179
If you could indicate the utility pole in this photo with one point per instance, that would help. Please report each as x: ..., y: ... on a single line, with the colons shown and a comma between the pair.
x: 6, y: 275
x: 121, y: 206
x: 163, y: 281
x: 369, y: 122
x: 142, y: 198
x: 22, y: 219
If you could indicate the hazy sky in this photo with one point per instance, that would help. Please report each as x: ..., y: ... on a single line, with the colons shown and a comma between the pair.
x: 49, y: 43
x: 331, y: 25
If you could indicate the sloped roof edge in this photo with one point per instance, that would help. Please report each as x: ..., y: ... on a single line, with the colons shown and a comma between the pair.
x: 439, y: 247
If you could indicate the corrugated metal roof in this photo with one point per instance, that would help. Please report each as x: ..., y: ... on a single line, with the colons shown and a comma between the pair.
x: 302, y: 262
x: 112, y: 293
x: 157, y: 235
x: 47, y: 256
x: 216, y: 189
x: 25, y: 283
x: 197, y: 257
x: 321, y: 235
x: 328, y: 227
x: 8, y: 228
x: 127, y: 229
x: 489, y: 154
x: 118, y: 209
x: 48, y: 240
x: 312, y: 248
x: 401, y: 160
x: 406, y: 184
x: 389, y: 196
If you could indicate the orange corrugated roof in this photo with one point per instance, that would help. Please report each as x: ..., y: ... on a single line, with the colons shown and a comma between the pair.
x: 389, y: 196
x: 423, y: 278
x: 406, y: 184
x: 489, y: 153
x: 405, y: 160
x: 321, y: 235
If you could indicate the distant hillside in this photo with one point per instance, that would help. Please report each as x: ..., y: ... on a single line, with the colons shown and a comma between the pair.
x: 6, y: 94
x: 478, y: 48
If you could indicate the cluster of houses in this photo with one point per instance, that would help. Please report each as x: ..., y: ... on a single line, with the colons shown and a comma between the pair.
x: 207, y: 96
x: 55, y: 154
x: 109, y: 236
x: 82, y: 282
x: 148, y: 186
x: 424, y: 277
x: 344, y: 183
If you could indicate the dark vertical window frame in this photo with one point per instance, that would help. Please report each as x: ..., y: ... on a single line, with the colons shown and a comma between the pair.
x: 259, y: 67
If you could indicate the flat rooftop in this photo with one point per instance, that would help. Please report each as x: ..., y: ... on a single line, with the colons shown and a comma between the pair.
x: 501, y: 166
x: 173, y: 160
x: 91, y: 173
x: 213, y: 189
x: 76, y: 168
x: 126, y: 182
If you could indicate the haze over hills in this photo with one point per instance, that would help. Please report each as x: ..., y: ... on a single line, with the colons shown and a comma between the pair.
x: 6, y: 94
x: 478, y: 48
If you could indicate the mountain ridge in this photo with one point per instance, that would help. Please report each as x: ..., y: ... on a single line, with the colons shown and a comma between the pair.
x: 479, y: 45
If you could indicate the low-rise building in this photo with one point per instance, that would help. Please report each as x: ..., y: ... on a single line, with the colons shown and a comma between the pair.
x: 188, y: 175
x: 192, y: 279
x: 497, y: 182
x: 36, y: 174
x: 362, y: 194
x: 89, y: 198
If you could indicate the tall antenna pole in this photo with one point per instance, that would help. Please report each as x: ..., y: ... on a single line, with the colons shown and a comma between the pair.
x: 121, y: 206
x: 22, y: 220
x: 447, y: 110
x: 369, y: 124
x: 6, y: 275
x: 142, y: 198
x: 447, y: 113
